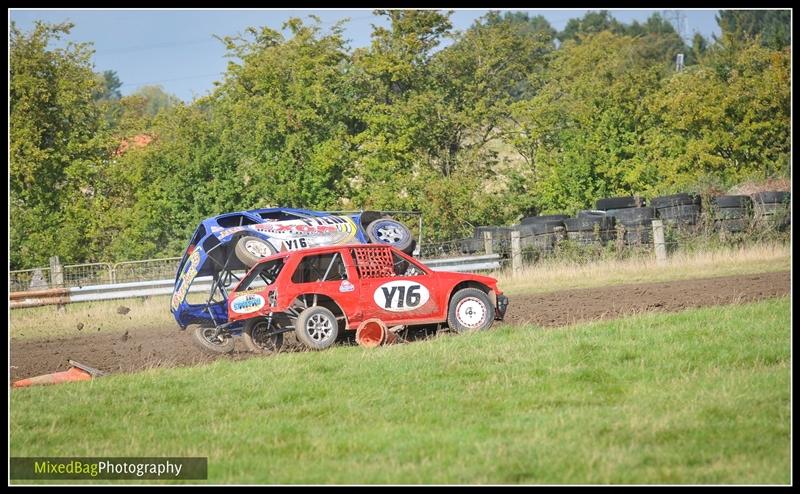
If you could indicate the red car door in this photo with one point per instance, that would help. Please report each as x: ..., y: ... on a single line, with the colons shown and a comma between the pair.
x: 395, y: 289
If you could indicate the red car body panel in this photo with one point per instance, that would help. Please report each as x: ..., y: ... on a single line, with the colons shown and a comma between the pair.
x: 371, y: 290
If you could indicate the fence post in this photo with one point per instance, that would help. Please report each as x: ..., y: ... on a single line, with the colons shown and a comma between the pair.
x: 516, y: 252
x: 487, y: 242
x: 658, y: 242
x: 56, y: 273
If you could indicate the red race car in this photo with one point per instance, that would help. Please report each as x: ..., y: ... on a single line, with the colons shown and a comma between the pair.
x: 319, y: 293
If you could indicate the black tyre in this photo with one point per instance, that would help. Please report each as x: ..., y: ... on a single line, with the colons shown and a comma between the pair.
x: 619, y: 203
x: 258, y: 339
x: 632, y: 215
x: 391, y: 232
x: 530, y: 220
x: 470, y: 310
x: 682, y: 199
x: 591, y: 213
x: 733, y: 201
x: 471, y: 245
x: 317, y: 328
x: 251, y: 249
x: 680, y: 214
x: 589, y: 223
x: 730, y: 213
x: 204, y: 337
x: 541, y: 227
x: 773, y: 197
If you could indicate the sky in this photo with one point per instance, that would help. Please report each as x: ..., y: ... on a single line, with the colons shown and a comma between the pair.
x: 176, y: 48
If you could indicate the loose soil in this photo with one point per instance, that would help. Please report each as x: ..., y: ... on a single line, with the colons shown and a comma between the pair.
x: 170, y: 347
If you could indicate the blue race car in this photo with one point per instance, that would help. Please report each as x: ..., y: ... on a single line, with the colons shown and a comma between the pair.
x: 231, y: 243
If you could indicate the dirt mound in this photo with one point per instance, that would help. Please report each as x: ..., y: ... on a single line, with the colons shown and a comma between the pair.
x: 169, y: 346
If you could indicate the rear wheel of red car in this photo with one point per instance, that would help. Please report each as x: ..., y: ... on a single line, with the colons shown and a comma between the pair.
x: 317, y: 328
x: 258, y: 339
x: 470, y: 310
x: 250, y: 250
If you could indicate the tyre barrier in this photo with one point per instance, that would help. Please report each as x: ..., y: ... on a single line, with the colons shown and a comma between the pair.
x: 590, y: 228
x: 636, y: 223
x: 677, y: 210
x: 732, y: 213
x: 613, y: 203
x: 773, y: 207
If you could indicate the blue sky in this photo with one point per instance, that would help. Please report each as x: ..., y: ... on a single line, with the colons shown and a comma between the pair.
x: 176, y: 49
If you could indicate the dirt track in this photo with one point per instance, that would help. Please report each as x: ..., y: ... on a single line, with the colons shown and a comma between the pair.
x: 172, y: 347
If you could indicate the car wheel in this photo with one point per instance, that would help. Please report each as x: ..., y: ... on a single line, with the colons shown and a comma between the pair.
x: 204, y: 337
x: 257, y: 339
x: 391, y: 232
x: 250, y: 250
x: 317, y: 328
x: 470, y: 310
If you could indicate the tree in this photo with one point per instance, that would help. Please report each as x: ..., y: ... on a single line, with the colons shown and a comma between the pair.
x: 110, y: 86
x: 56, y: 144
x: 772, y: 27
x: 590, y: 23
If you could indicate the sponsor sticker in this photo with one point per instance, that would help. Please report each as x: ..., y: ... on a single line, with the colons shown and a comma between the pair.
x: 186, y: 279
x: 401, y: 296
x: 245, y: 304
x: 346, y: 286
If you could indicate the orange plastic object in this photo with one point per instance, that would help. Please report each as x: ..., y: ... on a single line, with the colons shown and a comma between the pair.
x: 73, y: 374
x: 373, y: 332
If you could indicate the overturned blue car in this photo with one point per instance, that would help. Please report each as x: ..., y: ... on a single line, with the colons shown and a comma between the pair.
x: 224, y: 247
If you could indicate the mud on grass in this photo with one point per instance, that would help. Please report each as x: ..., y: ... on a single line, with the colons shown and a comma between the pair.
x: 167, y: 346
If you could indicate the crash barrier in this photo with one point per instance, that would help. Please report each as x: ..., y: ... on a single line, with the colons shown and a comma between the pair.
x: 109, y: 291
x: 81, y: 275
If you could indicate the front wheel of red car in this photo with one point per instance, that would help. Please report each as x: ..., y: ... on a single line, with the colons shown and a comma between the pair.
x: 317, y: 328
x: 470, y: 310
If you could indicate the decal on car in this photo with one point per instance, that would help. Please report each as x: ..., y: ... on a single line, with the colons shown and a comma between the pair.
x: 314, y: 232
x: 401, y: 295
x: 346, y: 286
x: 186, y: 279
x: 245, y: 304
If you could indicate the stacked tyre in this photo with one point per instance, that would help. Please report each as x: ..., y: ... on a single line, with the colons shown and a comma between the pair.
x: 590, y: 227
x: 732, y: 213
x: 630, y: 213
x: 541, y: 232
x: 678, y: 210
x: 773, y: 207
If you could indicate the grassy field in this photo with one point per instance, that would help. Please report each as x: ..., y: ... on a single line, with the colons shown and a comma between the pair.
x: 543, y: 277
x: 696, y: 397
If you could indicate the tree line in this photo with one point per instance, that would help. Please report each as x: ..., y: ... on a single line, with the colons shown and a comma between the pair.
x: 508, y: 118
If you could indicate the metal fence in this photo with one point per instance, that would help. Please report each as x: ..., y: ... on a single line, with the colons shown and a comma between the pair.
x: 80, y: 275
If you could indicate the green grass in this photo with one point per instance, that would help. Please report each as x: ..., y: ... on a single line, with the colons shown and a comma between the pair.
x: 696, y: 397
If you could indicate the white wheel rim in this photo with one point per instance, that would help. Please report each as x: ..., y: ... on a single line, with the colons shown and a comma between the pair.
x: 258, y: 249
x: 389, y: 234
x: 319, y: 327
x: 471, y: 312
